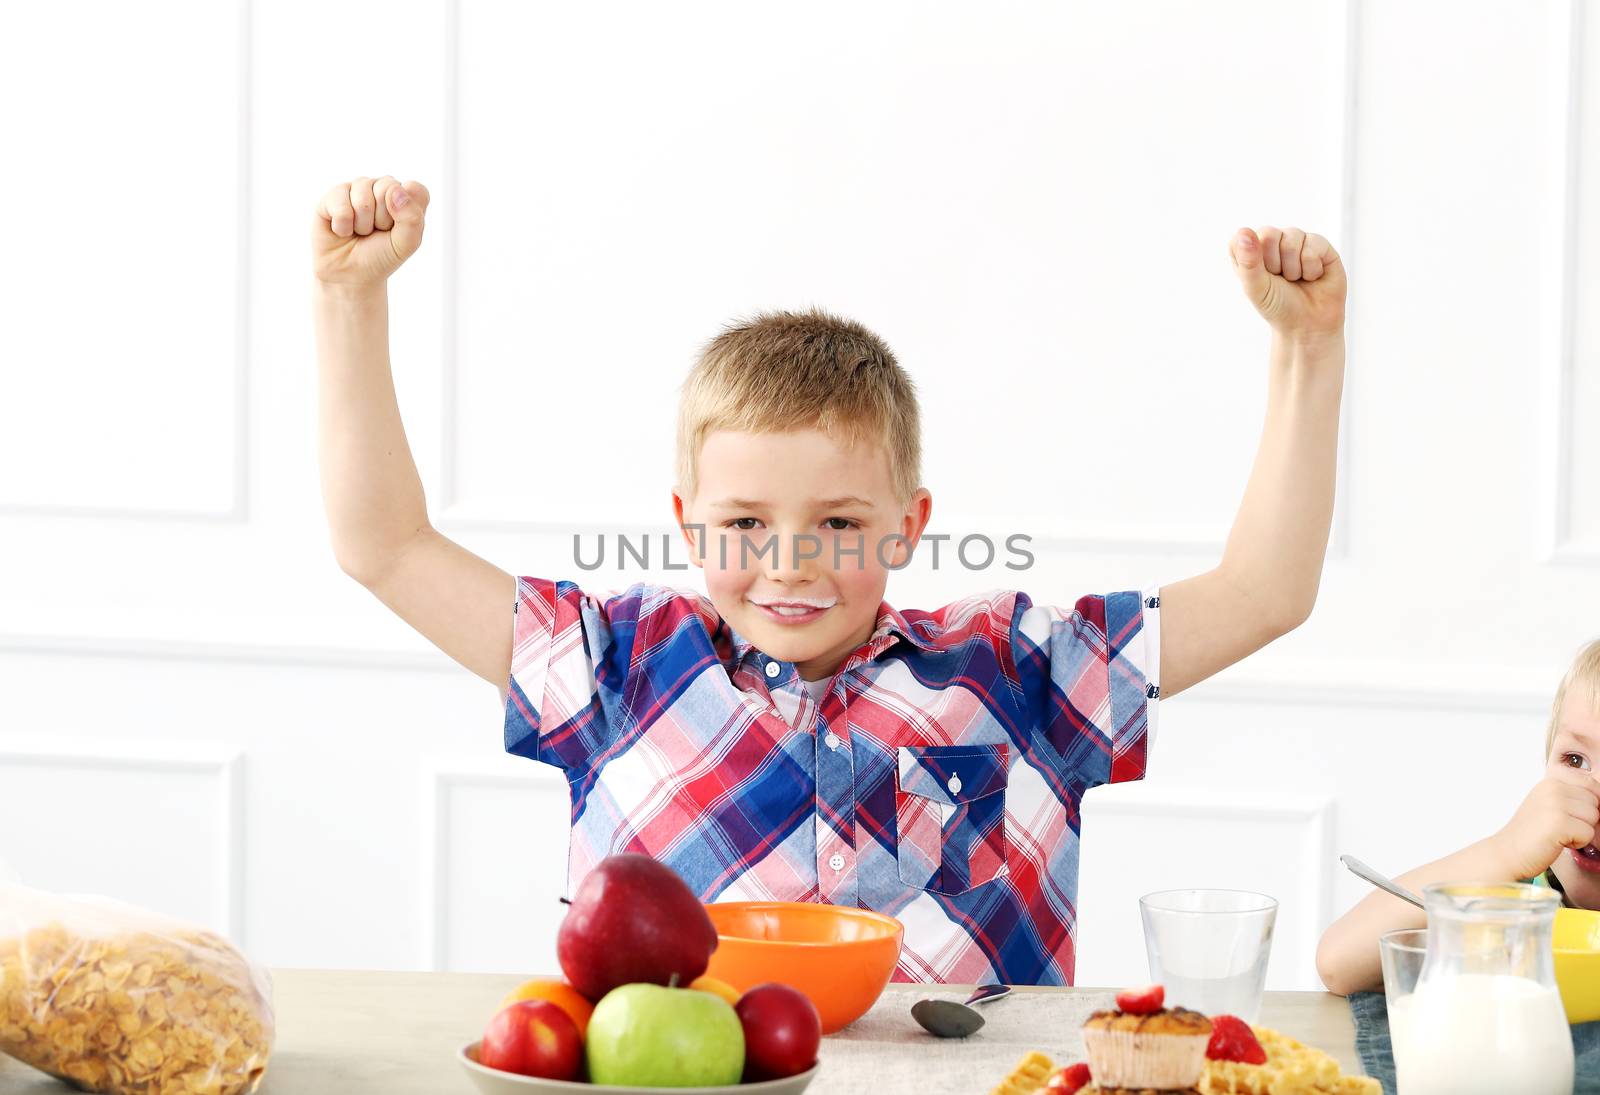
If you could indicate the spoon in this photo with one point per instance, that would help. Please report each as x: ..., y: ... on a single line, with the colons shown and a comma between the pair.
x: 953, y: 1019
x: 1389, y: 886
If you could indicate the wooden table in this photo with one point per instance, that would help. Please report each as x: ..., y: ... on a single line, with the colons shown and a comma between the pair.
x: 350, y: 1033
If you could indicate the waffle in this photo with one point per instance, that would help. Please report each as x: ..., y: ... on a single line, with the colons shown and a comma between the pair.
x: 1291, y: 1069
x: 1028, y: 1077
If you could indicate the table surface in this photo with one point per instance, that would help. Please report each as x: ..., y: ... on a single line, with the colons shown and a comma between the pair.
x: 351, y: 1032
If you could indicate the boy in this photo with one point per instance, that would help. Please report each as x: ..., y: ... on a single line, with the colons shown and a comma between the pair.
x: 792, y: 736
x: 1550, y: 841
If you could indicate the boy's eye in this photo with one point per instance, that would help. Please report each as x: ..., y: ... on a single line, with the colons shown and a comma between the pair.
x: 1575, y: 760
x: 739, y: 523
x: 844, y: 524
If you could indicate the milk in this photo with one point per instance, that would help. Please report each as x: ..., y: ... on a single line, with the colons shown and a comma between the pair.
x: 1481, y: 1033
x: 1239, y: 994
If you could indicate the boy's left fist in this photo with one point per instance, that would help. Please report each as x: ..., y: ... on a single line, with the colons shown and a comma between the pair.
x: 1295, y: 280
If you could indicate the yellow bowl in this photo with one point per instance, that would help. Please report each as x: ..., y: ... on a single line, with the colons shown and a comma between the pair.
x: 1577, y: 947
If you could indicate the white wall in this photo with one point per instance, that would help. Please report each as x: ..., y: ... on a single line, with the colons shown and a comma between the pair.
x: 198, y: 712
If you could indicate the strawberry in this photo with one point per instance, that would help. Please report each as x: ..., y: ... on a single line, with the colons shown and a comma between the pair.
x: 1145, y: 1001
x: 1233, y: 1040
x: 1068, y: 1080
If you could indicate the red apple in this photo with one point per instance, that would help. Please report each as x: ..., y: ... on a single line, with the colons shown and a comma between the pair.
x: 782, y: 1031
x: 633, y: 921
x: 533, y: 1038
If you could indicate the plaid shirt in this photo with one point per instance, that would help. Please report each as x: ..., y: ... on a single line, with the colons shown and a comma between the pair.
x: 938, y: 780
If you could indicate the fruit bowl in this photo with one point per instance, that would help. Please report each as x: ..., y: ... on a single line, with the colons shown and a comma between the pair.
x: 492, y: 1081
x: 840, y: 957
x: 1577, y: 954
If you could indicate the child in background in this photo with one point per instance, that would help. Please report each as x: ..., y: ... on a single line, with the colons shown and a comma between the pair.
x: 789, y: 735
x: 1549, y: 841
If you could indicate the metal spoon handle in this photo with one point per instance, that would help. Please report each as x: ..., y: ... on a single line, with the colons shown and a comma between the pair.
x: 1361, y: 870
x: 984, y: 993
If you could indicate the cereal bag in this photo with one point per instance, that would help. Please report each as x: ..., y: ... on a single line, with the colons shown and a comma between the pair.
x: 119, y: 1000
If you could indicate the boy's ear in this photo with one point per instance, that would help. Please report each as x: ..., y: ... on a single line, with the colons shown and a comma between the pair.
x: 913, y: 523
x: 688, y: 530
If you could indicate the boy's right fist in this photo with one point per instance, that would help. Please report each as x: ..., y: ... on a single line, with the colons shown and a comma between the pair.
x: 364, y: 229
x: 1560, y: 812
x: 1295, y: 280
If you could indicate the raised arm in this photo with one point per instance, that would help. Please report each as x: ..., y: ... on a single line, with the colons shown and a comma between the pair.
x: 1267, y: 581
x: 377, y: 515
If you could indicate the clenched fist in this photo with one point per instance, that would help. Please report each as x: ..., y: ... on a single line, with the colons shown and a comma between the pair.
x: 364, y: 229
x: 1294, y: 279
x: 1560, y: 812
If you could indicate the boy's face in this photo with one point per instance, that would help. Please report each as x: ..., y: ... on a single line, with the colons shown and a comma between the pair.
x: 1577, y: 745
x: 799, y: 539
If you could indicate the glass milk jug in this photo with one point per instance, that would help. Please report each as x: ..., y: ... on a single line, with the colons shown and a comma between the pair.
x: 1486, y: 1015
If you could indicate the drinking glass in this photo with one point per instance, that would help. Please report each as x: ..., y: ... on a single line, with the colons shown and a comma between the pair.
x: 1402, y: 953
x: 1210, y: 948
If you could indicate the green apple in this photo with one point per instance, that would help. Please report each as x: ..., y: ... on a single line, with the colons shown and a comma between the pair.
x: 650, y: 1036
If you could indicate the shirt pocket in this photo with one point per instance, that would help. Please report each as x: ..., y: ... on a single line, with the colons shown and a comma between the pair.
x: 950, y: 811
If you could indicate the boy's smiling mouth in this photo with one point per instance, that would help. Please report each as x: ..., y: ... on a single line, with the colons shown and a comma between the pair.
x: 793, y: 610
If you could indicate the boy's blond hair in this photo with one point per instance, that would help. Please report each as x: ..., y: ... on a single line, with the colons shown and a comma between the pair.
x: 782, y: 371
x: 1584, y: 673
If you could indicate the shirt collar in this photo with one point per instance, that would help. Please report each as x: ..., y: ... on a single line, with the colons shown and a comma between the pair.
x: 891, y: 625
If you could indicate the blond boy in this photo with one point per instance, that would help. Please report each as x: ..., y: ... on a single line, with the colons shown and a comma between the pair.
x: 1552, y: 840
x: 790, y: 735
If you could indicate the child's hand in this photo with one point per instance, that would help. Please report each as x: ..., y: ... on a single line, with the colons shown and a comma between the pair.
x: 364, y: 229
x: 1561, y: 811
x: 1295, y: 280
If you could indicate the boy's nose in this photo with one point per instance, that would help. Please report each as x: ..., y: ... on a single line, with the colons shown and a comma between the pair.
x: 797, y: 557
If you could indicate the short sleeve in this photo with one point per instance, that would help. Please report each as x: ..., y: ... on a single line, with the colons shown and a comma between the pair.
x: 1090, y: 680
x: 570, y: 653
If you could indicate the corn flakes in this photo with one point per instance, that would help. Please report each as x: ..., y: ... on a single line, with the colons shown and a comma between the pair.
x: 175, y: 1011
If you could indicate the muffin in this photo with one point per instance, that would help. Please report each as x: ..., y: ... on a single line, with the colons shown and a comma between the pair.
x: 1161, y: 1051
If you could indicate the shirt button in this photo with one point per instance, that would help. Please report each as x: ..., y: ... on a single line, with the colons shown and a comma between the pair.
x: 773, y: 669
x: 836, y: 861
x: 954, y: 785
x: 832, y: 739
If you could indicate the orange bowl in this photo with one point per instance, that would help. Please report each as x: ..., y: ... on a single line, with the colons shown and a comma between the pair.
x: 839, y: 957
